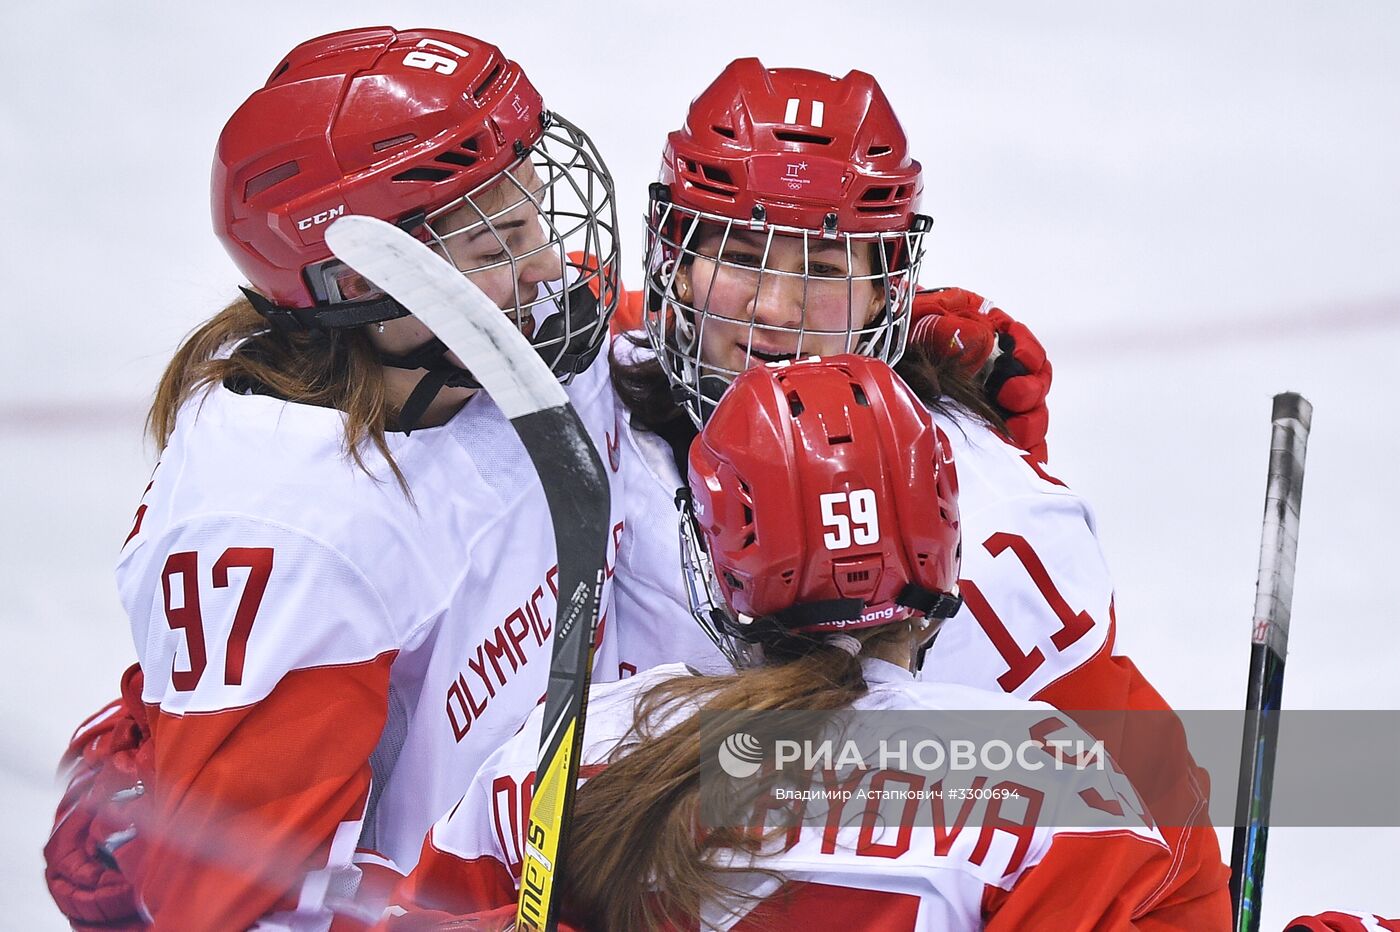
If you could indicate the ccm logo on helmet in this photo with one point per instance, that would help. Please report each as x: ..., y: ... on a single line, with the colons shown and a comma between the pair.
x: 325, y: 216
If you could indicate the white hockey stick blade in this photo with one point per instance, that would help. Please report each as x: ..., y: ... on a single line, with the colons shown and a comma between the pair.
x: 453, y: 308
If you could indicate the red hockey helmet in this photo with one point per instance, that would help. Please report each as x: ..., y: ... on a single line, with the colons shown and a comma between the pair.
x: 827, y: 500
x: 782, y: 152
x: 407, y: 126
x: 795, y: 148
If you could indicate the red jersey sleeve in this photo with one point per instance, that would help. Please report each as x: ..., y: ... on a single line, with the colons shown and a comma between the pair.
x: 1155, y: 757
x: 267, y: 659
x: 257, y: 810
x: 1086, y: 881
x: 1040, y: 624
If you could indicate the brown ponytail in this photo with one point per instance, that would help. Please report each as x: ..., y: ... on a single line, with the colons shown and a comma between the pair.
x: 635, y: 828
x: 339, y: 369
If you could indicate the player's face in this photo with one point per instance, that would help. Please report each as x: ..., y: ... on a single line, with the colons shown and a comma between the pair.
x: 760, y: 308
x: 500, y: 241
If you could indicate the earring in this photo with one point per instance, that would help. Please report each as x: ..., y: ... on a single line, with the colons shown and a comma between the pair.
x: 670, y: 275
x: 380, y: 328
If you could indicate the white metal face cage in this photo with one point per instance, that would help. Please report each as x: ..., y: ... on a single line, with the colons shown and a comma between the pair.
x: 571, y: 217
x: 702, y: 591
x: 677, y: 328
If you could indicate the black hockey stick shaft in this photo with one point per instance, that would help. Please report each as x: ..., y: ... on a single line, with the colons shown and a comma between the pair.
x: 1292, y: 420
x: 578, y: 506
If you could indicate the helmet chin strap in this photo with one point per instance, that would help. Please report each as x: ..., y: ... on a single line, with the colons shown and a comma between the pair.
x: 576, y: 355
x: 440, y: 374
x: 327, y: 317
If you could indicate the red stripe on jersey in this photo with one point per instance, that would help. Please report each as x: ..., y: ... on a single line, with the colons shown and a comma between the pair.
x: 1090, y: 881
x: 246, y: 801
x: 444, y: 882
x: 1197, y: 879
x: 806, y: 905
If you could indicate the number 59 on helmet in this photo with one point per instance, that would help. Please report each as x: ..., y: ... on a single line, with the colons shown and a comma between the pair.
x: 825, y: 500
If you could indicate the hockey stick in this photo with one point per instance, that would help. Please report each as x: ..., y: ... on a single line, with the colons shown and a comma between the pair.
x: 1273, y: 600
x: 575, y: 487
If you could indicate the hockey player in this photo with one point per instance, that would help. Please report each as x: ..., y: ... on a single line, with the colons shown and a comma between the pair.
x: 785, y: 223
x: 340, y: 580
x: 838, y: 624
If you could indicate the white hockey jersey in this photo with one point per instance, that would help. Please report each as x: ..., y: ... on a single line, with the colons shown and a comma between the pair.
x: 1037, y: 620
x: 327, y: 660
x: 993, y: 870
x: 1038, y: 595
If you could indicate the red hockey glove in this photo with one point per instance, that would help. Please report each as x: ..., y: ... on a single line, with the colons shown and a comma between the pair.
x: 1000, y: 352
x: 1340, y: 922
x: 94, y: 847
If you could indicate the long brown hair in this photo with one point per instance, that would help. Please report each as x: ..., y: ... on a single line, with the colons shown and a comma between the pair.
x: 639, y: 861
x: 237, y: 348
x: 332, y: 369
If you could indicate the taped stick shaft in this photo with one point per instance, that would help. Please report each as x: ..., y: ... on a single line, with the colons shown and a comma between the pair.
x: 1292, y: 420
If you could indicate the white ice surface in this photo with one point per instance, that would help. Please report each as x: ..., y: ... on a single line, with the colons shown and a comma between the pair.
x: 1193, y: 203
